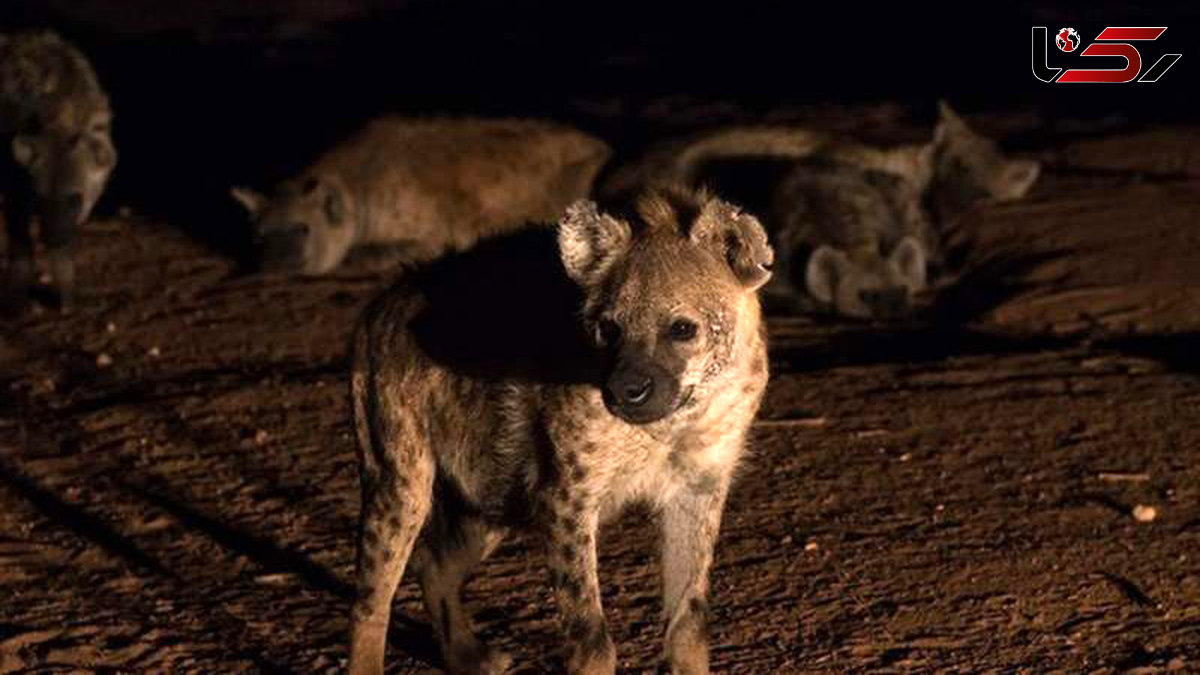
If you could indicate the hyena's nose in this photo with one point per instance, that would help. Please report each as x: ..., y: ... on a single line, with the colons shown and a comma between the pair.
x: 73, y: 205
x: 886, y: 303
x: 631, y: 388
x: 67, y: 208
x: 61, y: 220
x: 639, y: 393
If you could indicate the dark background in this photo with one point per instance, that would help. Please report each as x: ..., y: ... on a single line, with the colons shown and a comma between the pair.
x: 208, y: 94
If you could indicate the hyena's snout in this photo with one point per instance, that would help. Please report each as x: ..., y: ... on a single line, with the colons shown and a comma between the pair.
x: 886, y: 302
x: 282, y: 249
x: 641, y: 391
x: 65, y: 210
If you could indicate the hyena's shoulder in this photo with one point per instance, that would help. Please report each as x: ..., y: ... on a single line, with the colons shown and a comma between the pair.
x: 47, y: 82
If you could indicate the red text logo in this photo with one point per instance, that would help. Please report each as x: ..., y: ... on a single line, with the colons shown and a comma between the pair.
x: 1112, y: 41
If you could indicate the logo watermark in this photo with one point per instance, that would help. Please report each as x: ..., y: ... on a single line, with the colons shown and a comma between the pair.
x: 1112, y: 41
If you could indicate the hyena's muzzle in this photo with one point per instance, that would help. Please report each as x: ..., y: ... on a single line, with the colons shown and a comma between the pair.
x: 61, y: 215
x: 283, y: 249
x: 640, y: 389
x: 886, y: 303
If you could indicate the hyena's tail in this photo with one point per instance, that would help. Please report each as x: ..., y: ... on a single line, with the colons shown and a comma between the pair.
x: 679, y: 161
x: 396, y: 468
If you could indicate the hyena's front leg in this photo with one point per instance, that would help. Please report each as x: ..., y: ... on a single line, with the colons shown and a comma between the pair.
x: 690, y: 523
x: 18, y: 210
x: 572, y: 554
x: 58, y: 233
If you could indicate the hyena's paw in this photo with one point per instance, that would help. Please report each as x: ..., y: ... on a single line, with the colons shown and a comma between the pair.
x: 477, y: 659
x: 596, y: 657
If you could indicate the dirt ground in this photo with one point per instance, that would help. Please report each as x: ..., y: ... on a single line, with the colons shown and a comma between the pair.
x: 178, y: 489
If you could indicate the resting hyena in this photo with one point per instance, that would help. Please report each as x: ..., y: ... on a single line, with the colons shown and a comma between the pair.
x: 492, y: 390
x: 857, y: 227
x: 426, y: 186
x: 870, y: 219
x: 55, y: 118
x: 853, y: 233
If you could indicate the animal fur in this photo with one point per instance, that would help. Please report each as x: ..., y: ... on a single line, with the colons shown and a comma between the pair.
x: 429, y: 186
x: 857, y: 227
x: 56, y: 122
x: 544, y: 386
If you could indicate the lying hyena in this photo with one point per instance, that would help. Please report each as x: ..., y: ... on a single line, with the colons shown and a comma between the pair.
x: 492, y: 391
x: 57, y: 122
x: 871, y: 219
x: 853, y: 232
x: 857, y: 227
x: 425, y: 186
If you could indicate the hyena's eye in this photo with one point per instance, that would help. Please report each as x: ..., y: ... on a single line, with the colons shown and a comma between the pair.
x: 608, y: 332
x: 683, y: 330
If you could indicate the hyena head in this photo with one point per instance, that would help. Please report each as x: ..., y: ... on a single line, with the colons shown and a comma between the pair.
x: 68, y: 169
x: 869, y: 286
x: 970, y: 168
x: 667, y: 293
x: 307, y: 225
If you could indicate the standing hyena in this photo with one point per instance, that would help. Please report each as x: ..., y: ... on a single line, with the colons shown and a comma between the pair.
x: 425, y: 186
x: 492, y: 390
x: 55, y: 118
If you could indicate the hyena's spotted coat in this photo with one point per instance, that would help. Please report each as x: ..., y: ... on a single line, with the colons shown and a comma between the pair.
x: 519, y: 386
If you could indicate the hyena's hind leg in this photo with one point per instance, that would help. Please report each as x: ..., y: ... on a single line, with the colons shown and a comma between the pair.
x: 397, y: 469
x: 454, y: 543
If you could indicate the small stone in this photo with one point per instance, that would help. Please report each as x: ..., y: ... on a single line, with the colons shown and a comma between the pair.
x: 111, y: 327
x: 103, y: 360
x: 811, y: 545
x: 1144, y: 514
x: 786, y: 540
x: 154, y: 352
x: 906, y: 457
x: 1176, y: 663
x: 261, y: 436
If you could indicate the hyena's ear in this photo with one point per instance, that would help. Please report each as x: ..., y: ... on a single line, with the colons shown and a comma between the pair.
x: 24, y: 149
x: 252, y: 201
x: 737, y: 237
x: 908, y: 259
x: 1019, y: 176
x: 949, y: 125
x: 589, y: 242
x: 826, y: 268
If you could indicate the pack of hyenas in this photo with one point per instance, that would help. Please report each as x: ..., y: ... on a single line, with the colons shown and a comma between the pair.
x: 539, y: 378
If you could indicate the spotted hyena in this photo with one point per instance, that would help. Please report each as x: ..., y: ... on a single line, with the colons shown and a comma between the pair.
x: 56, y: 121
x: 853, y: 232
x: 422, y: 187
x: 871, y: 219
x: 857, y: 227
x: 544, y: 384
